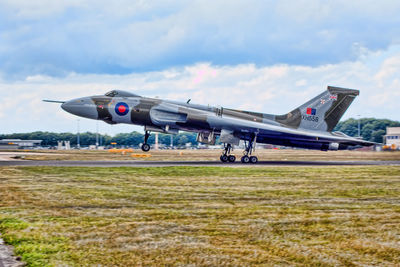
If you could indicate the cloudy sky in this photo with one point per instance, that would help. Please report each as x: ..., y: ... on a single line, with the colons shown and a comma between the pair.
x: 267, y: 56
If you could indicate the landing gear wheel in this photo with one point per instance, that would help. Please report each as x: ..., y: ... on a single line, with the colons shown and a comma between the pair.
x: 145, y: 147
x: 253, y: 159
x: 224, y: 158
x: 245, y: 159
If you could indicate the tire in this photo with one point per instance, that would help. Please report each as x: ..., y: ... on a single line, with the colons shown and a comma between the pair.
x: 253, y: 159
x: 231, y: 158
x: 224, y: 158
x: 245, y: 159
x: 145, y: 147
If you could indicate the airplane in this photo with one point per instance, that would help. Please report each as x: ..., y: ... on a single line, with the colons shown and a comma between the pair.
x: 309, y: 126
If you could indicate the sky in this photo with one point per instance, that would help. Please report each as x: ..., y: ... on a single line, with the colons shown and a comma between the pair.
x: 265, y: 56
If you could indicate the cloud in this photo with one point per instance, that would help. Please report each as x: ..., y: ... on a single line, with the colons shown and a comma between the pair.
x: 267, y: 56
x: 56, y: 38
x: 273, y: 89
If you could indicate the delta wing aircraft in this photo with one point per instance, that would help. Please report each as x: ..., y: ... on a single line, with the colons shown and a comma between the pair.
x: 308, y: 126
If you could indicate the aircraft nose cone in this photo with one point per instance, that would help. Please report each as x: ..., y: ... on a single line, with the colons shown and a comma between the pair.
x: 81, y: 107
x: 66, y: 106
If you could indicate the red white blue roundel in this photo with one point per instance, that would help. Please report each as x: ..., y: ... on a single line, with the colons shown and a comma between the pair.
x: 121, y: 108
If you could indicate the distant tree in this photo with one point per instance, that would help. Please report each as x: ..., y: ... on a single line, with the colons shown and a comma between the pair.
x: 349, y: 127
x: 377, y: 136
x: 183, y: 140
x: 166, y: 139
x: 135, y: 138
x: 371, y: 129
x: 366, y: 131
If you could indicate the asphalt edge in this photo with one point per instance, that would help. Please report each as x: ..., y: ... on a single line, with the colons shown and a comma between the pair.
x: 7, y: 256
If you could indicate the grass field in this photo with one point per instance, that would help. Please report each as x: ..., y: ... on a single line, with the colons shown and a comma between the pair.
x: 213, y: 155
x: 202, y: 216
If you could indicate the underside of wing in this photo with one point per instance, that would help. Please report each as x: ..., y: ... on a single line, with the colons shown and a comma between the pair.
x: 283, y: 136
x: 311, y: 140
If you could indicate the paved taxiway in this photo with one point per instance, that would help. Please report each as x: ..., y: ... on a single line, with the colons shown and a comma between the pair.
x: 7, y: 257
x: 62, y: 163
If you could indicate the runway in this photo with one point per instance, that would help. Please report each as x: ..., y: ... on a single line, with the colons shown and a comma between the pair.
x: 62, y: 163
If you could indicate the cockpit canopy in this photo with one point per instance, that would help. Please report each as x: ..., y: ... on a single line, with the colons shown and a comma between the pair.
x: 120, y: 93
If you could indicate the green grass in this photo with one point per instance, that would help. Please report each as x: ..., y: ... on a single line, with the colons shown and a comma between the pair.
x: 202, y: 216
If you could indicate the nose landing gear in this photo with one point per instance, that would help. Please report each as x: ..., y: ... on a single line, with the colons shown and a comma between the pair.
x: 146, y: 146
x: 226, y: 157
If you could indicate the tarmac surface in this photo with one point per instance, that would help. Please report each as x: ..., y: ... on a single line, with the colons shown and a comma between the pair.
x: 64, y: 163
x: 7, y: 258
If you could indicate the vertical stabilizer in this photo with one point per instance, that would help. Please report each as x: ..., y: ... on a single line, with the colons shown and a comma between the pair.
x: 323, y: 112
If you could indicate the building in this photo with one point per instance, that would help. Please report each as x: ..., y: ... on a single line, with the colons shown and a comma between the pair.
x: 18, y: 143
x: 392, y: 137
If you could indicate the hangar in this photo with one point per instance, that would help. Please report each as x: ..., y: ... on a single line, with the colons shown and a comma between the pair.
x: 18, y: 143
x: 392, y: 137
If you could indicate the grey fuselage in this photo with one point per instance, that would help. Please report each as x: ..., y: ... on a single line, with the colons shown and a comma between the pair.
x: 309, y: 126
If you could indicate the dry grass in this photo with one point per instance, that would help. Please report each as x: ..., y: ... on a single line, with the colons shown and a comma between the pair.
x: 212, y: 155
x: 202, y: 216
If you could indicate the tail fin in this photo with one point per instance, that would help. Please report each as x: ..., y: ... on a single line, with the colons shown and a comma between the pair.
x: 321, y: 113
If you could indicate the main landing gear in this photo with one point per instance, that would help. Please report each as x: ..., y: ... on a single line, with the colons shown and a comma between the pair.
x: 226, y: 154
x: 249, y: 148
x: 247, y: 158
x: 146, y: 146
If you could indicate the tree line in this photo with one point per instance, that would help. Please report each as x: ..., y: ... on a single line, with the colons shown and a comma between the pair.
x: 371, y: 129
x: 89, y: 138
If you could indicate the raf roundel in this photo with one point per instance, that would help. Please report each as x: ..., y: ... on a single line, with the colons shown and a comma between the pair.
x: 121, y: 108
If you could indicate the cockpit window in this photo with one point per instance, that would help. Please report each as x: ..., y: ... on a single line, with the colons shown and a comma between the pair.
x: 111, y: 93
x: 119, y: 93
